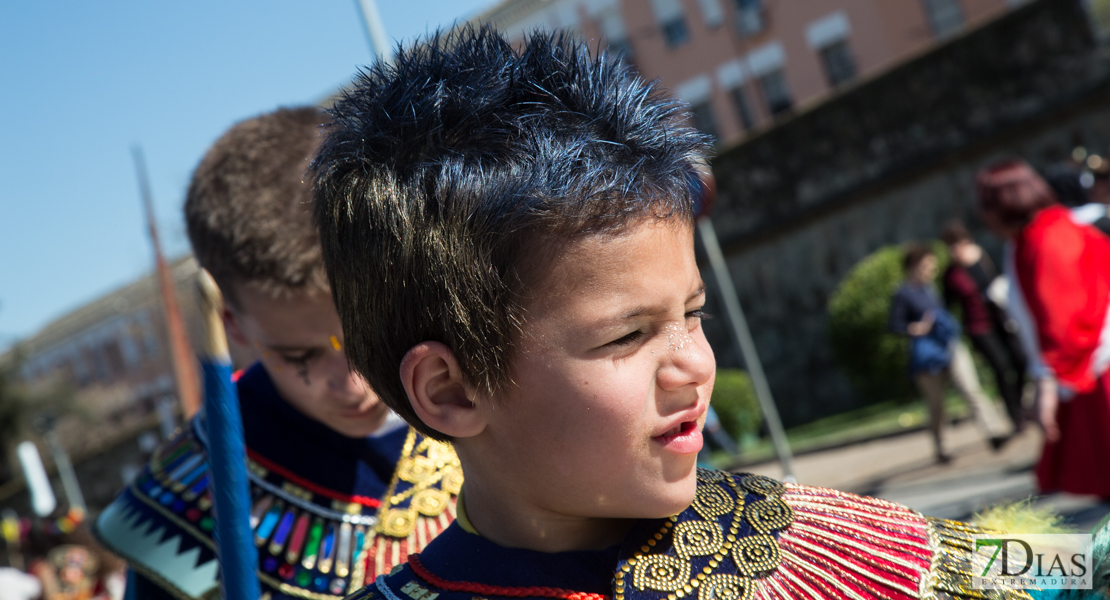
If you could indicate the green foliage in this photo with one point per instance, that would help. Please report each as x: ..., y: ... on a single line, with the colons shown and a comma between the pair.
x: 19, y: 404
x: 1100, y: 10
x: 874, y: 359
x: 736, y: 404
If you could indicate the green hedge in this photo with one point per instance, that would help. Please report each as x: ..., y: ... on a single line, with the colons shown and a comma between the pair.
x: 736, y: 404
x: 874, y: 360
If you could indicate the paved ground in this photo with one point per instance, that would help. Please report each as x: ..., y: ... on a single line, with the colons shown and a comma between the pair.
x: 902, y: 469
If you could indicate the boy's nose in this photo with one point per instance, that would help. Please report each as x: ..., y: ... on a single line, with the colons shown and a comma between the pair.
x: 689, y: 361
x: 343, y: 380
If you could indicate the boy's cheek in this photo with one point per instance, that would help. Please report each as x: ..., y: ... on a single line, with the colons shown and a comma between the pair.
x: 291, y: 385
x: 707, y: 387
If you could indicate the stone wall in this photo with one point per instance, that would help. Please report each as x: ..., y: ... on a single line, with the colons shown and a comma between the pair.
x: 887, y: 161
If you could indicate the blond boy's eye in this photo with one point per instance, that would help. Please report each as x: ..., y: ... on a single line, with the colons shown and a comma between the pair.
x: 300, y: 357
x: 698, y: 314
x: 627, y: 339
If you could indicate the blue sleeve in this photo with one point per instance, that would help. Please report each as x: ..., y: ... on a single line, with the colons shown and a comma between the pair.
x: 900, y: 312
x: 141, y: 588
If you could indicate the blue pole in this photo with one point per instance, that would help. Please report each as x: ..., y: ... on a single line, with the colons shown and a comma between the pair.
x: 227, y: 457
x: 227, y: 454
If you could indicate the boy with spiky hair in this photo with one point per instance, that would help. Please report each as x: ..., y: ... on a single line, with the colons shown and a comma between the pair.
x: 341, y: 489
x: 509, y: 237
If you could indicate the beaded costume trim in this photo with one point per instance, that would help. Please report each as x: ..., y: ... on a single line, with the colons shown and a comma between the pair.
x: 313, y: 543
x: 846, y: 546
x: 716, y: 549
x: 749, y: 537
x: 954, y: 561
x: 419, y: 504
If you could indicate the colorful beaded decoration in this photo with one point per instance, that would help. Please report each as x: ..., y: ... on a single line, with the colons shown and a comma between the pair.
x: 314, y: 543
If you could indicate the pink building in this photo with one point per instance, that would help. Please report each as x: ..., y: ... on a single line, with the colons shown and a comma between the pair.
x: 741, y: 64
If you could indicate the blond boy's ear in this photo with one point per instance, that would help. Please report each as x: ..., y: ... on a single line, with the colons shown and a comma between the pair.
x: 439, y: 392
x: 231, y: 326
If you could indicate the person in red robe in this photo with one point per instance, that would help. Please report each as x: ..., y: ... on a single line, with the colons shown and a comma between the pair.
x: 1062, y: 291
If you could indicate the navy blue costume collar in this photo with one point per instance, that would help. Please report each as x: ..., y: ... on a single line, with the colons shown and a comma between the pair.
x: 354, y: 466
x: 723, y: 541
x: 460, y: 556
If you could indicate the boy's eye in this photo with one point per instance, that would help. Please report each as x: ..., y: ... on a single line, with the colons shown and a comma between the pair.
x: 627, y: 339
x: 300, y: 357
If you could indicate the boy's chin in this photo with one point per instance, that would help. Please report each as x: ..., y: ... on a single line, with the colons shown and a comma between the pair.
x: 358, y: 426
x: 674, y: 497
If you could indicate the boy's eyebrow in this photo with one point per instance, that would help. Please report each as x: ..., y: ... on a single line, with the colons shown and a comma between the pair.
x: 642, y: 310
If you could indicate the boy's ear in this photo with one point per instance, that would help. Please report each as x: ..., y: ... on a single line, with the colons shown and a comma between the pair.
x: 439, y: 392
x: 231, y: 326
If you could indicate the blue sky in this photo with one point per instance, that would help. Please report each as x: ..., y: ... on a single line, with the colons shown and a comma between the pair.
x: 81, y: 82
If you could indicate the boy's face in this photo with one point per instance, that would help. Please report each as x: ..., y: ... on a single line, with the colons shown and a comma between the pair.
x: 299, y: 342
x: 610, y: 381
x: 926, y: 269
x: 959, y: 252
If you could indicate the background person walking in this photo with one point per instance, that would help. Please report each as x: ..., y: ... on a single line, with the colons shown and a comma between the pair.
x: 1061, y: 299
x: 936, y: 352
x: 973, y: 283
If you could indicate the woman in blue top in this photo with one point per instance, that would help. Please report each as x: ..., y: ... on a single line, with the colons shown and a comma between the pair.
x: 936, y: 352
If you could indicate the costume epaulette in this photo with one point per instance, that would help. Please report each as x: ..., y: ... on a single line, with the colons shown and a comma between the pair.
x: 750, y: 537
x: 313, y: 543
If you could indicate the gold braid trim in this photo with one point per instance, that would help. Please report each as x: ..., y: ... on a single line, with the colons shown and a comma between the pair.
x: 954, y: 562
x: 427, y: 476
x: 702, y: 554
x: 417, y: 505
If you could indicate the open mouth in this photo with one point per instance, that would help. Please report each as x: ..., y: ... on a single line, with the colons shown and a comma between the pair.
x: 682, y: 428
x: 684, y: 438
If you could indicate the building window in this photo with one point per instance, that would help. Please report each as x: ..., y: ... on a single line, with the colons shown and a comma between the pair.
x: 743, y: 107
x: 675, y: 32
x: 750, y: 18
x: 81, y: 370
x: 100, y: 366
x: 671, y: 20
x: 776, y: 92
x: 945, y: 16
x: 839, y: 64
x: 711, y: 13
x: 702, y: 114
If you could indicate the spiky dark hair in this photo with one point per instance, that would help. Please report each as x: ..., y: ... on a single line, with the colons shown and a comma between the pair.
x: 444, y: 176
